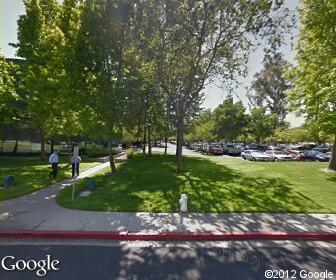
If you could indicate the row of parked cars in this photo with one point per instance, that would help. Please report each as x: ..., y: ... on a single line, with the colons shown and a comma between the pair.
x: 256, y: 152
x: 216, y: 148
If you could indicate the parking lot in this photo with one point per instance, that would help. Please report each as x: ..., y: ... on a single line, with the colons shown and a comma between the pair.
x: 268, y: 153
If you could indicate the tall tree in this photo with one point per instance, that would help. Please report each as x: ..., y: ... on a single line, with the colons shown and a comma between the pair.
x: 155, y: 106
x: 7, y: 89
x: 198, y: 41
x: 104, y: 50
x: 71, y: 96
x: 38, y: 42
x: 202, y: 127
x: 269, y: 88
x: 314, y: 78
x: 230, y: 119
x: 260, y: 124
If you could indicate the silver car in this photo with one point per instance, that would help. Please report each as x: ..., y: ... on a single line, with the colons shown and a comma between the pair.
x: 255, y: 155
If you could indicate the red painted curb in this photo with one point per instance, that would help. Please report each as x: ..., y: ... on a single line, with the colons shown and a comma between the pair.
x: 170, y: 236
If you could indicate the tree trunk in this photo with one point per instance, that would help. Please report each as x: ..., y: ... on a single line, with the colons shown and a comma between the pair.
x: 149, y: 142
x: 111, y: 157
x: 51, y: 145
x: 69, y: 150
x: 179, y: 143
x: 332, y: 163
x: 166, y: 145
x: 144, y: 141
x: 43, y: 147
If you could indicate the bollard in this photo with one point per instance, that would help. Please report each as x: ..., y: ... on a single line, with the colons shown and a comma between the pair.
x: 183, y: 203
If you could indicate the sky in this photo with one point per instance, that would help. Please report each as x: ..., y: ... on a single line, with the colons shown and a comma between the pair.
x: 10, y: 10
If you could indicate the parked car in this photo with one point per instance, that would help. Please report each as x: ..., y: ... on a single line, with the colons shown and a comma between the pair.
x: 279, y: 147
x: 306, y: 147
x: 242, y: 154
x: 206, y: 148
x: 279, y: 155
x: 322, y: 149
x: 296, y: 154
x: 232, y: 150
x: 193, y: 146
x: 256, y: 155
x: 216, y: 149
x: 258, y: 147
x: 328, y: 154
x: 200, y: 146
x: 315, y: 155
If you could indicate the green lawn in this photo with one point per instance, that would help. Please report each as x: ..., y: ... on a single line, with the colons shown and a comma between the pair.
x: 31, y: 174
x: 216, y: 184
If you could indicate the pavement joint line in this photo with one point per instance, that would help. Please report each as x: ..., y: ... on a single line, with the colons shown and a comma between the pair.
x: 40, y: 223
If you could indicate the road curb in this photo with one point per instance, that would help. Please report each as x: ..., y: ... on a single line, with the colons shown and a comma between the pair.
x: 169, y: 236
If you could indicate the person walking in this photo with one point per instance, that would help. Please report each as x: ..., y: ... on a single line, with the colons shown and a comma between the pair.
x: 75, y: 161
x: 53, y: 160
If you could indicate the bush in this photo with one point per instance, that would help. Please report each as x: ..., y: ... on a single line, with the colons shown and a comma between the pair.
x: 96, y: 152
x: 131, y: 153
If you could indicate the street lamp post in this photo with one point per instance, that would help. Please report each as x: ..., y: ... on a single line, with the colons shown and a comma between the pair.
x: 75, y: 154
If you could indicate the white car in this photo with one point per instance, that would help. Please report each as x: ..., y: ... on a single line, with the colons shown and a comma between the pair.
x: 279, y: 155
x: 246, y: 153
x: 255, y: 155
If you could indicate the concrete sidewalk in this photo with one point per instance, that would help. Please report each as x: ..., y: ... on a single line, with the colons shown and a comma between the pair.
x: 40, y: 211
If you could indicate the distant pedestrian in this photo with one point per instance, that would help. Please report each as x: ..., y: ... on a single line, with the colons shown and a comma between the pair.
x: 75, y: 161
x: 53, y: 160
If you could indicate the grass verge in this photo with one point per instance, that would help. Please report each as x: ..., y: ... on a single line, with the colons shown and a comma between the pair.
x: 31, y: 174
x: 213, y: 185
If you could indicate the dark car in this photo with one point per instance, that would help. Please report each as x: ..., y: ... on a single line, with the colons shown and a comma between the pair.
x: 322, y: 149
x: 315, y: 155
x: 233, y: 150
x: 306, y: 147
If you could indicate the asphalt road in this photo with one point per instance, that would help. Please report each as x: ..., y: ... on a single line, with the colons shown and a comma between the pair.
x: 171, y: 150
x: 169, y: 260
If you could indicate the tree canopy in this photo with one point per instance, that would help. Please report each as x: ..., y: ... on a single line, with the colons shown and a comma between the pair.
x: 314, y: 78
x: 269, y: 88
x: 108, y: 67
x: 7, y: 89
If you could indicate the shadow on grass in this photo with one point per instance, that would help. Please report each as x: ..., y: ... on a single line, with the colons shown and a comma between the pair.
x: 30, y: 173
x: 332, y: 178
x: 151, y: 185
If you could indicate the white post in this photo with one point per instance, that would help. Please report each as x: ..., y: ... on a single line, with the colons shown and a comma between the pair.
x: 183, y: 203
x: 75, y: 154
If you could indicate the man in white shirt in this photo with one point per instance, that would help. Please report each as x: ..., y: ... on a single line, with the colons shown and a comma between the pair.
x: 75, y: 161
x: 53, y: 160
